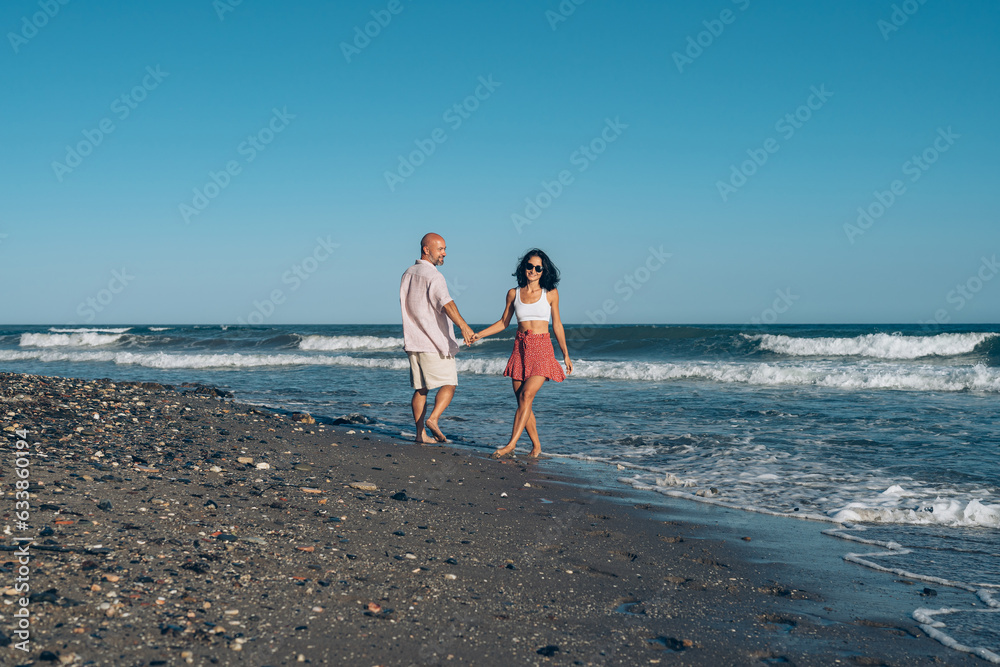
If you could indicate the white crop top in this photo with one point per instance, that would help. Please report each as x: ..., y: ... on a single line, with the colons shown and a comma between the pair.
x: 526, y: 312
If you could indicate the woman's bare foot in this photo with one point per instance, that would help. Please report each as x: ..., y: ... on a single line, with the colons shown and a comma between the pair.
x: 422, y: 438
x: 535, y: 452
x: 438, y: 435
x: 500, y: 453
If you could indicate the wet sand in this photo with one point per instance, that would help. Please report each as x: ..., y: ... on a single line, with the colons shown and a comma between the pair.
x: 173, y: 526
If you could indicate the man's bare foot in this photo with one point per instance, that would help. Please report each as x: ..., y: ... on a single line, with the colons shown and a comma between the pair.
x: 438, y: 435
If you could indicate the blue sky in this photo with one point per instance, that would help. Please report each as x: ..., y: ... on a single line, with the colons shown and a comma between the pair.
x: 250, y: 143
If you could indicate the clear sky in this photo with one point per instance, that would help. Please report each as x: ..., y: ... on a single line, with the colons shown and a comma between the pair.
x: 197, y: 162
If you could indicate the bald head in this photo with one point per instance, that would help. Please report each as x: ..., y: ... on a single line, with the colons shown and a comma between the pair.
x: 432, y: 249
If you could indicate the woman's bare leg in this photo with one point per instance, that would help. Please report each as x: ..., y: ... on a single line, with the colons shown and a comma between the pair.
x: 531, y: 427
x: 525, y: 396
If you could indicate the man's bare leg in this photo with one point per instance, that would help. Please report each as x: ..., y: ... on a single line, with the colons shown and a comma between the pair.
x: 419, y: 405
x: 441, y: 401
x: 525, y: 397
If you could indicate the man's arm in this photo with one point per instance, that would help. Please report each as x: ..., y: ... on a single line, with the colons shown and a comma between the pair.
x: 451, y: 310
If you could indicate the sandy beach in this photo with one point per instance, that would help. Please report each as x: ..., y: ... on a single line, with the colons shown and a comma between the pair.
x: 172, y: 526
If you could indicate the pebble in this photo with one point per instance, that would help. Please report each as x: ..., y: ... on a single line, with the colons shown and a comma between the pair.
x: 263, y: 465
x: 363, y: 486
x: 244, y: 459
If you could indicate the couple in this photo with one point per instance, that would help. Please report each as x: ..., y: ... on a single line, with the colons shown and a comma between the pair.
x: 430, y: 344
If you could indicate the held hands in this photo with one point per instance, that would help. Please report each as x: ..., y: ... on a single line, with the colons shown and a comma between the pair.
x: 468, y: 335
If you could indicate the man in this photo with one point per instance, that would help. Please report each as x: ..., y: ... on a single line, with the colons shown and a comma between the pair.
x: 428, y: 336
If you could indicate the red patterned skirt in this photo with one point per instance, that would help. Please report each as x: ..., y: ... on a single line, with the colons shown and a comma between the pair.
x: 533, y: 355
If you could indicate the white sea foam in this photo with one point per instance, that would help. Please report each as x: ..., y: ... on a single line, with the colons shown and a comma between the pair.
x: 160, y: 328
x: 90, y: 330
x: 231, y: 360
x: 880, y: 345
x: 861, y: 375
x: 940, y: 511
x: 743, y: 474
x: 81, y: 339
x: 330, y: 343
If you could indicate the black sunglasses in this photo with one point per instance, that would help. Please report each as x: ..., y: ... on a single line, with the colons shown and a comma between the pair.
x: 532, y: 267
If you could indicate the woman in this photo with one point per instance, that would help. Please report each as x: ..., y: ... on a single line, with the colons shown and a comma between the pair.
x: 533, y: 362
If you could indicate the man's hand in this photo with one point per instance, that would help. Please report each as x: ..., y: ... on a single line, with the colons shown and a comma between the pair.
x: 451, y: 310
x: 468, y: 334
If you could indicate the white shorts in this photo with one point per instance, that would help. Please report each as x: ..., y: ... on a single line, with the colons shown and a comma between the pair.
x: 430, y: 370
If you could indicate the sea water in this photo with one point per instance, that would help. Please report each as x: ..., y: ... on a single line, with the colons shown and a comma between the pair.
x: 886, y: 435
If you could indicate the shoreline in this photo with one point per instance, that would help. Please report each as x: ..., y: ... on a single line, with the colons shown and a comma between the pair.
x: 155, y: 555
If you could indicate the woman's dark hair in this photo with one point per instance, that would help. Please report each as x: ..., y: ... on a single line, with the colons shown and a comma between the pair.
x: 550, y: 274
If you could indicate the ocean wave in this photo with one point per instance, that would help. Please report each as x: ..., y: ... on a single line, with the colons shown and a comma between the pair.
x: 118, y: 330
x: 230, y: 360
x: 88, y: 338
x: 879, y: 346
x: 874, y: 376
x: 940, y: 512
x: 859, y: 377
x: 330, y: 343
x: 765, y: 494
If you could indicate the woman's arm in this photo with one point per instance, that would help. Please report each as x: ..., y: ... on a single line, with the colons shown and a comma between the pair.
x: 503, y: 322
x: 557, y: 328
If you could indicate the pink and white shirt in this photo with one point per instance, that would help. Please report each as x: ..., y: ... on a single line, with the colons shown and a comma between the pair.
x: 423, y: 294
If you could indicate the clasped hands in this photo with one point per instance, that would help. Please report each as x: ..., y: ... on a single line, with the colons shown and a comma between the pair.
x: 469, y: 335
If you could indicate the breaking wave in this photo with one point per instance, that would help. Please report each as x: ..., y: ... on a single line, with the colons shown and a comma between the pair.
x: 879, y: 345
